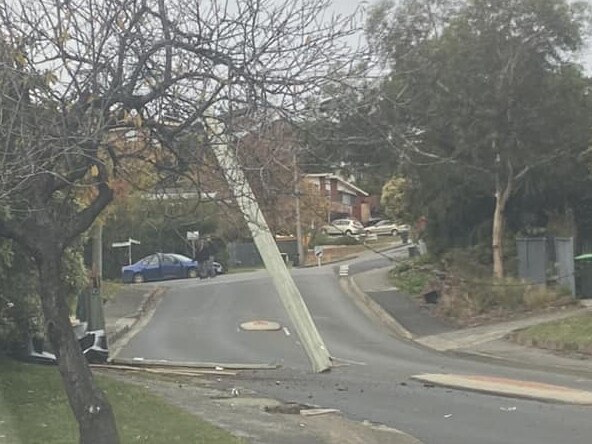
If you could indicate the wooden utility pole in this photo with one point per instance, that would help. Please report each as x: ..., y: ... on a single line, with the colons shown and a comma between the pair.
x: 301, y: 256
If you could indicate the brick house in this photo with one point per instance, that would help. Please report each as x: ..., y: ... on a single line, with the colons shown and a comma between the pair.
x: 344, y: 199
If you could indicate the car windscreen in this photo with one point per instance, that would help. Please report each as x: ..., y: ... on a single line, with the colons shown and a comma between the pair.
x: 181, y: 257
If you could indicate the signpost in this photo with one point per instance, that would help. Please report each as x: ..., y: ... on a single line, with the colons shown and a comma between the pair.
x: 127, y: 244
x: 318, y: 251
x: 193, y: 236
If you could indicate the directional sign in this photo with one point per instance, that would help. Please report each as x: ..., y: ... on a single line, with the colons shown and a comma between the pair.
x: 127, y: 244
x: 192, y: 235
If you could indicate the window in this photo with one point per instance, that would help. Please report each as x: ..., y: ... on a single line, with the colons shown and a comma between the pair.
x: 347, y: 199
x: 150, y: 260
x: 169, y: 260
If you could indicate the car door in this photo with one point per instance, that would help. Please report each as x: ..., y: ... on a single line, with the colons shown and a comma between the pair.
x: 386, y: 227
x: 171, y: 267
x: 151, y: 268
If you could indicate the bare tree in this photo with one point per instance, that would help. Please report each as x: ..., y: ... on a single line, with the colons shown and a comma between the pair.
x: 95, y: 91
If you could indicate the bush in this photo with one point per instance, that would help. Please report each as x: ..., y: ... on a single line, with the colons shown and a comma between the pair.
x: 324, y: 239
x: 20, y: 305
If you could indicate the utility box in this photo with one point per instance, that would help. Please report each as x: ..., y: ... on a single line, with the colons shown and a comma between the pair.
x: 584, y: 276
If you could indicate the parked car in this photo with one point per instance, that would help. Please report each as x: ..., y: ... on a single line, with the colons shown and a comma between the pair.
x: 158, y: 267
x: 343, y: 227
x: 386, y: 227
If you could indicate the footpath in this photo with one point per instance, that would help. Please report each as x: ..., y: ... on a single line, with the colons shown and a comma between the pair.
x: 410, y: 321
x: 240, y: 411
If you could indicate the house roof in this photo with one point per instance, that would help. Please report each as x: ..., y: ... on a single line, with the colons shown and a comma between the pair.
x: 339, y: 179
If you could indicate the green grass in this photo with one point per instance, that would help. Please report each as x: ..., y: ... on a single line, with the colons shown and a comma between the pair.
x: 573, y: 332
x: 110, y: 289
x: 34, y: 410
x: 411, y: 282
x: 236, y: 270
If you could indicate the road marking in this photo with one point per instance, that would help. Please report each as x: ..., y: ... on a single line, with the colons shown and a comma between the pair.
x: 512, y: 388
x: 348, y: 361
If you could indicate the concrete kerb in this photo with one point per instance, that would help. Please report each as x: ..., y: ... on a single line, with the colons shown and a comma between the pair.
x: 149, y: 301
x: 353, y: 256
x: 373, y: 309
x: 510, y: 388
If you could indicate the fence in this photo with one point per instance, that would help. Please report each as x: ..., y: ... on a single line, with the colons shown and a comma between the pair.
x: 245, y: 254
x: 543, y: 258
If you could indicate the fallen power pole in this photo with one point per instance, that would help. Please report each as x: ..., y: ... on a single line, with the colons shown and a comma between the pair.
x: 284, y: 283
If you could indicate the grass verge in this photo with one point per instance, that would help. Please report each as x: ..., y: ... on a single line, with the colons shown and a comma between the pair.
x: 468, y: 294
x: 110, y: 289
x: 413, y: 276
x: 573, y: 333
x: 411, y: 281
x: 34, y: 410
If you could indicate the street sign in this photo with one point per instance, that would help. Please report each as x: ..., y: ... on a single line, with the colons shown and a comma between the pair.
x: 318, y: 251
x: 127, y: 244
x: 192, y: 235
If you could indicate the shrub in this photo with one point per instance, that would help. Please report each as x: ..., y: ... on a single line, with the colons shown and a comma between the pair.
x: 323, y: 239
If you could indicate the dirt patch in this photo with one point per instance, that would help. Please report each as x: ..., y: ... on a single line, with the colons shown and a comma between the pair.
x: 260, y: 420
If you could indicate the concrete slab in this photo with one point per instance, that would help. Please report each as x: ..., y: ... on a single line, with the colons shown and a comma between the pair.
x: 470, y: 337
x: 512, y: 388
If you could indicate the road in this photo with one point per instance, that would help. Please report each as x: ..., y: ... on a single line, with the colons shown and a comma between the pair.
x: 199, y: 321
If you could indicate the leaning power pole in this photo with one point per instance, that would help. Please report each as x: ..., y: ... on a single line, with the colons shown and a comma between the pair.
x: 284, y: 283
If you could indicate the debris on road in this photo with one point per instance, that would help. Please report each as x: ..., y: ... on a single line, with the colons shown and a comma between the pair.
x: 508, y: 409
x: 317, y: 412
x: 448, y: 415
x: 290, y: 408
x: 175, y: 371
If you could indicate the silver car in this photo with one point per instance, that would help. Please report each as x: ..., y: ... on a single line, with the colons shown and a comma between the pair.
x: 386, y: 227
x: 343, y: 227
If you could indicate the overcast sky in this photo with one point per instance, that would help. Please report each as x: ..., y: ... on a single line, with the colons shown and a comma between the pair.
x: 347, y: 7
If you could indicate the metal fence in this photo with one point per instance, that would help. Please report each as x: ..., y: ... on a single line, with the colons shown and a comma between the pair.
x: 245, y: 254
x: 544, y: 258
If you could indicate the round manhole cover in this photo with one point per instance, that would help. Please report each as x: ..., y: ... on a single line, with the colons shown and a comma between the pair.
x: 260, y: 326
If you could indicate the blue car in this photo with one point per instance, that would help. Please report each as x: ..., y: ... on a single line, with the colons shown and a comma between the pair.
x: 159, y: 266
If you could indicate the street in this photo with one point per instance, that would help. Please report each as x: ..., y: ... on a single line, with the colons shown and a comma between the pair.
x: 199, y: 321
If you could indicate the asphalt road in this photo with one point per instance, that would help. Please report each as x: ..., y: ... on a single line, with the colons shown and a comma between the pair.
x: 199, y: 321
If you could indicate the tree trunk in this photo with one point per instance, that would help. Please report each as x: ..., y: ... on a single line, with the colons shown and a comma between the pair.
x: 92, y: 410
x: 499, y: 220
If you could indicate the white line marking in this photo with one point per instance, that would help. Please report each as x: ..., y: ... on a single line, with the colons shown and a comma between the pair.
x: 348, y: 361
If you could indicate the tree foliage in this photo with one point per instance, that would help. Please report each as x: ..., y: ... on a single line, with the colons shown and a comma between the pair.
x: 482, y: 97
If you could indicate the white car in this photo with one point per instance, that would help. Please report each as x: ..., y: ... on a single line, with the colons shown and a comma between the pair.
x: 386, y: 227
x: 343, y: 227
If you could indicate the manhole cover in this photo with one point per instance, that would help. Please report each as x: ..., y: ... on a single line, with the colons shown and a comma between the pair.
x: 260, y: 326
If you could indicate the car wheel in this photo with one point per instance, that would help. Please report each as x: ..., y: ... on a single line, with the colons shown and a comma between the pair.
x: 138, y: 278
x: 192, y: 273
x: 394, y: 232
x: 348, y: 233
